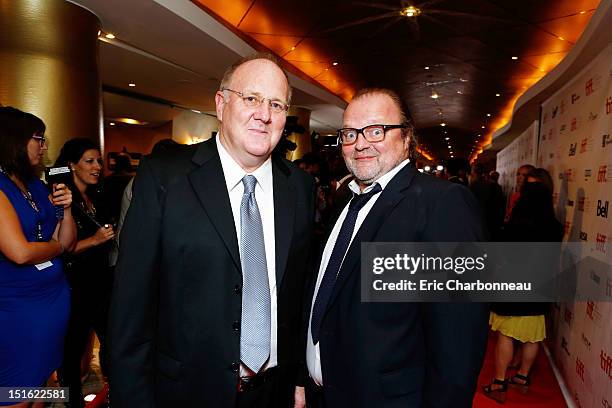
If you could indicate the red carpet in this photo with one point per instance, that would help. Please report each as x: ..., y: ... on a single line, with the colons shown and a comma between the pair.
x: 544, y: 391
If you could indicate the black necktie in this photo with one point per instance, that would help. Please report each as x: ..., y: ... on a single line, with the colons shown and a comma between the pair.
x: 335, y: 260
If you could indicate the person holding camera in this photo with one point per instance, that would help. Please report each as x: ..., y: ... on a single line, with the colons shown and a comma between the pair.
x: 87, y: 267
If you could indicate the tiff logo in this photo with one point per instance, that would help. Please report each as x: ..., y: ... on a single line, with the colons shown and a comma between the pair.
x: 600, y: 242
x: 602, y: 209
x: 601, y: 174
x: 606, y: 363
x: 588, y: 87
x: 580, y: 369
x: 590, y: 307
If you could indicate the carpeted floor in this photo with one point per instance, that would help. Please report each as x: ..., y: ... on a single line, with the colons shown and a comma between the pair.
x: 544, y: 391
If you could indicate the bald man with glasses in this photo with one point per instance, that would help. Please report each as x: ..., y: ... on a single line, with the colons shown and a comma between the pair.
x: 209, y: 288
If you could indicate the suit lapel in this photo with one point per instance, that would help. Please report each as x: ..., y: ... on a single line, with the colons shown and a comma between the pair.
x: 389, y: 198
x: 284, y: 213
x: 208, y: 182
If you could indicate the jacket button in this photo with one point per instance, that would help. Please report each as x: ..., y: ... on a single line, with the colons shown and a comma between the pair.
x: 236, y: 325
x: 237, y: 289
x: 235, y: 367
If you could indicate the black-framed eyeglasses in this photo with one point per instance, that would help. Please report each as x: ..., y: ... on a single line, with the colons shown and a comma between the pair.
x: 254, y: 101
x: 371, y: 133
x: 41, y: 139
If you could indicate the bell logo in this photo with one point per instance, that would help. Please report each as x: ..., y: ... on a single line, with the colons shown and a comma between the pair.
x: 602, y: 209
x: 600, y: 242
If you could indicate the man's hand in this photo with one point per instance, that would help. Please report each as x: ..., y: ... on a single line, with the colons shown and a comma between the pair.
x: 299, y: 397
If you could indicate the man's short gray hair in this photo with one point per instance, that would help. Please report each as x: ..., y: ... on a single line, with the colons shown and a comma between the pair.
x: 229, y: 72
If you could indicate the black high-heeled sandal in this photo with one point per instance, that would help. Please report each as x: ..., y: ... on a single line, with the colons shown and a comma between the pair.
x: 522, y: 385
x: 496, y: 394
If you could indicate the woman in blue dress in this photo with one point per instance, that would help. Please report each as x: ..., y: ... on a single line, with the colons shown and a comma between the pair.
x: 34, y: 294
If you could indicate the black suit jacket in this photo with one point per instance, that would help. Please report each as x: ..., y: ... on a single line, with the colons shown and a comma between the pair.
x: 175, y: 315
x: 387, y: 355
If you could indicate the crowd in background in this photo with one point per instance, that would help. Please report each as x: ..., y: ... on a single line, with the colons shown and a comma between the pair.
x: 49, y: 316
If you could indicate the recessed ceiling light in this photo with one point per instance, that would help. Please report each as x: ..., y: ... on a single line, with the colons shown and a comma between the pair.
x: 327, y: 69
x: 89, y: 397
x: 488, y: 114
x: 439, y: 167
x: 293, y: 48
x: 99, y: 32
x: 112, y: 123
x: 582, y: 12
x: 426, y: 67
x: 334, y: 63
x: 514, y: 58
x: 561, y: 38
x: 410, y: 11
x: 434, y: 95
x: 442, y: 124
x: 542, y: 70
x: 427, y: 168
x: 196, y: 111
x: 460, y: 93
x: 497, y: 94
x: 110, y: 36
x: 447, y: 138
x: 132, y: 84
x: 483, y: 127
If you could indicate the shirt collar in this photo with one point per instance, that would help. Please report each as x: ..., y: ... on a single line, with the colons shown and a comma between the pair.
x: 383, y: 180
x: 234, y: 173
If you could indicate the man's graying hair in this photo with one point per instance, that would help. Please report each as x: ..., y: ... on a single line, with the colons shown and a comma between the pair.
x: 229, y: 72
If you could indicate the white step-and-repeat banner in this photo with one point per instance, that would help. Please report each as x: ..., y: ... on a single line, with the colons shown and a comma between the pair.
x: 521, y: 151
x: 575, y: 146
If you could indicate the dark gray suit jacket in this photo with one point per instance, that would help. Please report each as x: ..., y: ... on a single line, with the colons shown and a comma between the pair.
x: 388, y: 355
x: 174, y: 336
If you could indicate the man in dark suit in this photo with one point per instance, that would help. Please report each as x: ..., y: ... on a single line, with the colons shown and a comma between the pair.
x: 210, y: 277
x: 390, y: 354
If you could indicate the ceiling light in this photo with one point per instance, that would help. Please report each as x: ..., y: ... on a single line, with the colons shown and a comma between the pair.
x: 293, y: 48
x: 132, y: 84
x: 561, y: 38
x: 460, y: 93
x: 110, y: 36
x: 426, y: 67
x: 327, y: 69
x: 449, y: 147
x: 440, y: 113
x: 488, y: 114
x: 99, y: 32
x: 427, y: 168
x: 447, y: 138
x: 483, y: 127
x: 582, y: 12
x: 112, y: 123
x: 439, y: 167
x: 130, y: 121
x: 196, y: 111
x: 421, y: 170
x: 497, y: 94
x: 514, y: 58
x: 434, y: 95
x: 410, y: 11
x: 334, y: 63
x: 443, y: 124
x: 452, y: 157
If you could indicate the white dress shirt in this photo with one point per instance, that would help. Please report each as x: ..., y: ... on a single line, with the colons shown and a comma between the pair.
x: 264, y: 194
x: 313, y: 353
